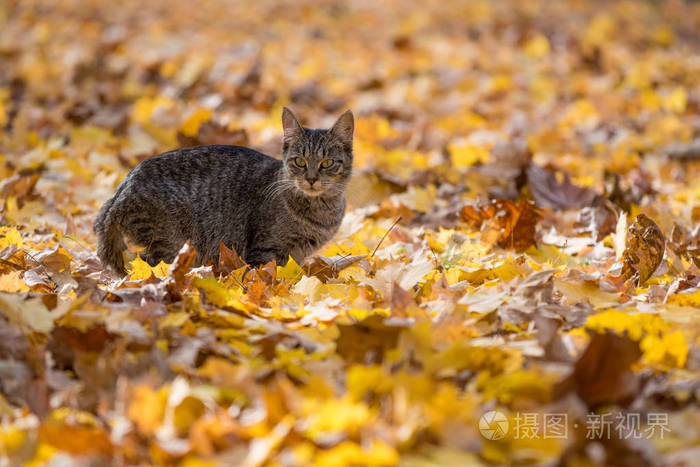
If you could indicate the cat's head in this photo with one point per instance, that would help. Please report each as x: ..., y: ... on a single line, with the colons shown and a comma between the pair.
x: 317, y: 162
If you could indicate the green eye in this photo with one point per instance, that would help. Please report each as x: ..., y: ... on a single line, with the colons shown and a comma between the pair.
x: 300, y: 161
x: 325, y: 163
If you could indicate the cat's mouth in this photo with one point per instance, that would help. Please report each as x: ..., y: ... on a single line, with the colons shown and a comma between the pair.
x: 308, y: 190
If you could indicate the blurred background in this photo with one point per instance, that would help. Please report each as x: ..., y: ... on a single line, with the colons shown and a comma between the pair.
x: 436, y: 85
x: 454, y: 100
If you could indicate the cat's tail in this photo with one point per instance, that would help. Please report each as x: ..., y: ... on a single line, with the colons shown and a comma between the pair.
x: 110, y: 241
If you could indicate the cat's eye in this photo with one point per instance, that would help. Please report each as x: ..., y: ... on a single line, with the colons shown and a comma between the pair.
x: 300, y: 161
x: 325, y: 163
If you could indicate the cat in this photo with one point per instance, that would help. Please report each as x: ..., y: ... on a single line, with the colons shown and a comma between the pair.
x: 264, y: 208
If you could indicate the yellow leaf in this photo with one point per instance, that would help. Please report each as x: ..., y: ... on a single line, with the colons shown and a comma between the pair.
x: 161, y: 269
x: 186, y: 413
x: 190, y: 127
x: 467, y: 155
x: 31, y: 313
x: 620, y: 322
x: 663, y: 35
x: 147, y: 408
x: 218, y: 295
x: 142, y: 270
x: 3, y: 114
x: 43, y: 455
x: 520, y: 384
x: 537, y: 47
x: 581, y: 111
x: 291, y: 271
x: 348, y: 453
x: 362, y: 380
x: 335, y: 415
x: 669, y: 349
x: 12, y: 282
x: 501, y: 83
x: 599, y: 31
x: 10, y: 236
x: 11, y: 438
x: 195, y: 462
x: 659, y: 342
x: 676, y: 101
x: 582, y: 291
x: 685, y: 299
x: 145, y: 107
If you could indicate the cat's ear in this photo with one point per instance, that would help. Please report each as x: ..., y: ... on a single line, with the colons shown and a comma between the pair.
x: 290, y: 125
x: 343, y: 128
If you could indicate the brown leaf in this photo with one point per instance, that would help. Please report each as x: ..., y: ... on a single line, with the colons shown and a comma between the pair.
x: 178, y: 271
x: 256, y: 293
x: 325, y: 267
x: 599, y: 221
x: 57, y: 258
x: 65, y: 342
x: 400, y: 300
x: 506, y: 167
x: 549, y: 192
x: 644, y: 250
x: 214, y: 133
x: 20, y: 184
x: 12, y: 259
x: 602, y: 374
x: 685, y: 243
x: 366, y: 342
x: 75, y: 439
x: 229, y: 260
x: 504, y: 223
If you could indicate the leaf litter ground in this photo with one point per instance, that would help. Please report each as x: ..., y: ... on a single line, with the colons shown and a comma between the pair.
x: 521, y: 242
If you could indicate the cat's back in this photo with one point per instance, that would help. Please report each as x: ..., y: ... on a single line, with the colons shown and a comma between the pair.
x: 204, y: 162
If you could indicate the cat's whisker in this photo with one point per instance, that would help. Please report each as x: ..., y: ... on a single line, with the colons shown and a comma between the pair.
x: 277, y: 184
x: 277, y: 188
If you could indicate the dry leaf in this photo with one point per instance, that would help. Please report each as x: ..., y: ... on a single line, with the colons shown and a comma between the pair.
x: 504, y: 223
x: 549, y: 192
x: 644, y: 250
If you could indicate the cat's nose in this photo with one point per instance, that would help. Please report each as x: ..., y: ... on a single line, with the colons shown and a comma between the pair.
x: 311, y: 181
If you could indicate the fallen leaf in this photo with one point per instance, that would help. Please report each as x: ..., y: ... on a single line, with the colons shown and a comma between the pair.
x: 229, y: 260
x: 30, y: 313
x: 325, y: 267
x: 644, y: 250
x: 76, y: 439
x: 599, y: 379
x: 142, y: 270
x: 504, y: 223
x: 549, y: 192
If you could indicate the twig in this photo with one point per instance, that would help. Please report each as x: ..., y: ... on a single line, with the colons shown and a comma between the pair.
x: 387, y: 233
x: 240, y: 283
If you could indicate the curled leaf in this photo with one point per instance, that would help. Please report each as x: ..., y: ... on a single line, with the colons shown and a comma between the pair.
x: 644, y: 250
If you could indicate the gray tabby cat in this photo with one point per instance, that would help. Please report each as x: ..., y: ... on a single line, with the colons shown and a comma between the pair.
x: 265, y: 208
